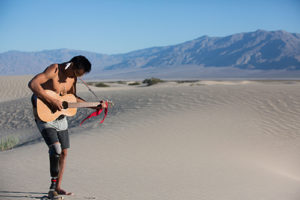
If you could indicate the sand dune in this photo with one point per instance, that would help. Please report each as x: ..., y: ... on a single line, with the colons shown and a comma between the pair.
x: 203, y: 140
x: 14, y: 87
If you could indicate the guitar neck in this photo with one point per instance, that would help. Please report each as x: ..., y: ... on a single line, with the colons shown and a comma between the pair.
x: 83, y: 104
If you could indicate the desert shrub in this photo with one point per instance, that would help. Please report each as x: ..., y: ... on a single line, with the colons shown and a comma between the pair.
x: 135, y: 83
x: 100, y: 84
x: 90, y: 83
x: 121, y: 82
x: 152, y: 81
x: 187, y: 81
x: 8, y: 142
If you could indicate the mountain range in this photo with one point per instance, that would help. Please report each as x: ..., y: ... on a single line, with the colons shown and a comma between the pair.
x: 258, y: 53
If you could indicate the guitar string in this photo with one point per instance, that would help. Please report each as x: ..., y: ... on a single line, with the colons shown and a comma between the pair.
x: 111, y: 104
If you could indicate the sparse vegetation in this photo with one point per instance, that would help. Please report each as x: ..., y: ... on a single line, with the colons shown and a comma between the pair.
x: 91, y: 83
x: 101, y: 84
x: 152, y: 81
x: 135, y: 83
x: 121, y: 82
x: 187, y: 81
x: 8, y: 142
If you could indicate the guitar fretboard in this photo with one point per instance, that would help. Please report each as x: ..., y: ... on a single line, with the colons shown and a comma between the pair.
x: 83, y: 104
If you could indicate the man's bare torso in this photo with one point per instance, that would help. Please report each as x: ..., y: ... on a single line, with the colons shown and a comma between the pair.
x: 60, y: 83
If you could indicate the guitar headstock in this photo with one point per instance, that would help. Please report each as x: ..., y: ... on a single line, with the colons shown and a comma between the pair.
x: 109, y: 103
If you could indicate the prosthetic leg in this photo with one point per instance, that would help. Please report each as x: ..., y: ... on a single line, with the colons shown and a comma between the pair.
x: 54, y: 156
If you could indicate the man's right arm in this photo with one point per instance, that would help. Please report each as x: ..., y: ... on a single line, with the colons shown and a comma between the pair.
x: 36, y: 85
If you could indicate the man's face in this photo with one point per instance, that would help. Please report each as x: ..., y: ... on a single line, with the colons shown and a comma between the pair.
x: 78, y: 72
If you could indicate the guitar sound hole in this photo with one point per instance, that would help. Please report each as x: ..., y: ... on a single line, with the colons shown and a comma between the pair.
x: 65, y: 104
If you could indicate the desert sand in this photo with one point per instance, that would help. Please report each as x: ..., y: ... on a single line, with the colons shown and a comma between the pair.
x: 205, y: 140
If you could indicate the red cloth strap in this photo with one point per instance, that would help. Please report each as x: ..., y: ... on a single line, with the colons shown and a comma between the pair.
x: 96, y: 113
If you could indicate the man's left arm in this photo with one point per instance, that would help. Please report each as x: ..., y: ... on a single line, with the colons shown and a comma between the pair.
x: 102, y: 104
x: 73, y: 91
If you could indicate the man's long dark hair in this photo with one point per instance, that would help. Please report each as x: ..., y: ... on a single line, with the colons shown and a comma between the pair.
x: 81, y: 62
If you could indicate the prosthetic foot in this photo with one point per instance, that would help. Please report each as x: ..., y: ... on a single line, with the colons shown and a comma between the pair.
x: 52, y: 194
x: 54, y: 155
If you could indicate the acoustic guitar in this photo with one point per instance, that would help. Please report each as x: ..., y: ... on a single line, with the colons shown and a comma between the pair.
x: 47, y: 114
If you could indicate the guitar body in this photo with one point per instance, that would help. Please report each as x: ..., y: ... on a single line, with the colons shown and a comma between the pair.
x: 46, y: 114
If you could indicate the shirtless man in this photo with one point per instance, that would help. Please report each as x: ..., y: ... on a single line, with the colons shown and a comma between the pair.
x: 60, y: 78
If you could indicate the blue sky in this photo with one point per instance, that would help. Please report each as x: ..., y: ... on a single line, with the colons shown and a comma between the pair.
x: 115, y: 26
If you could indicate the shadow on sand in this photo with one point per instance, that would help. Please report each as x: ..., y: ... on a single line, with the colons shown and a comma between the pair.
x: 21, y: 195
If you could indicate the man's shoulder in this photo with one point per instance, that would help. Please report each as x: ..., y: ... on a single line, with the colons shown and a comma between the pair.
x: 52, y: 67
x: 51, y: 70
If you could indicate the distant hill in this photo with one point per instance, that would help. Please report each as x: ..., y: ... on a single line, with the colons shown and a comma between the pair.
x: 260, y: 50
x: 18, y: 63
x: 255, y: 50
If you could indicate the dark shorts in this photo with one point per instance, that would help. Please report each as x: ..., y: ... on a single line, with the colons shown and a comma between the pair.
x: 52, y: 136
